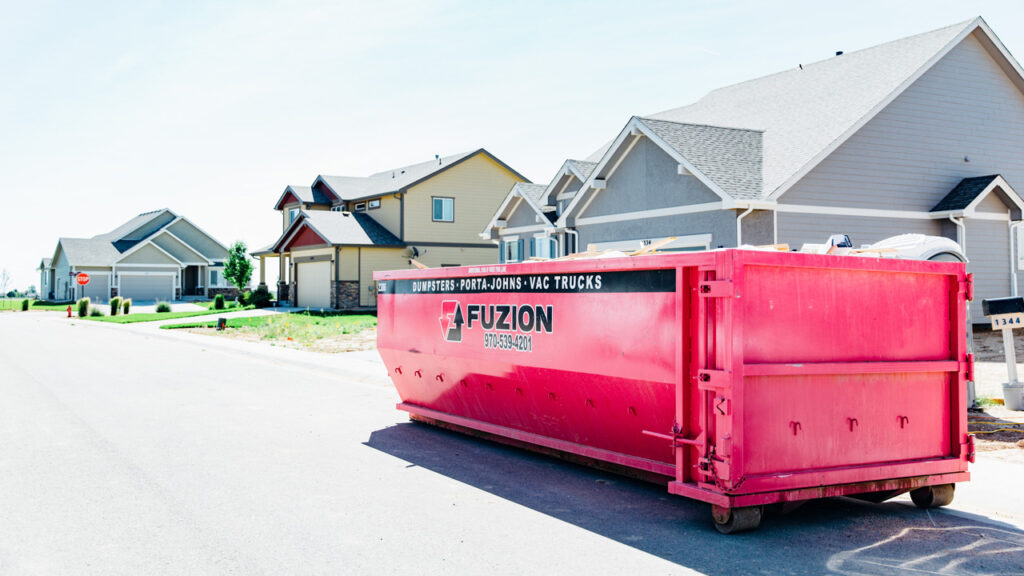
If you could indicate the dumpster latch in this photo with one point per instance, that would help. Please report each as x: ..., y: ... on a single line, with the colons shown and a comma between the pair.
x: 716, y: 288
x: 970, y: 448
x: 969, y: 368
x: 712, y: 379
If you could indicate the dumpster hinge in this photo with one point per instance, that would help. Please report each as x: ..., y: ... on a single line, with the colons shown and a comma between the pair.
x: 968, y: 287
x: 716, y: 288
x: 969, y: 368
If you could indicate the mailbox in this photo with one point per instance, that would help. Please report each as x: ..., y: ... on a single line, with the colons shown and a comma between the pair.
x: 1004, y: 312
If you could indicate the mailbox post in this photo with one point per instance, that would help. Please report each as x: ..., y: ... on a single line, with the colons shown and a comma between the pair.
x: 1007, y: 314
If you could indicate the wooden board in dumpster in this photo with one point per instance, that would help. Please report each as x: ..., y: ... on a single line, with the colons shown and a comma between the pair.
x: 741, y: 377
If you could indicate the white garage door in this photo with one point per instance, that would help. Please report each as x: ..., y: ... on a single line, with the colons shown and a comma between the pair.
x: 145, y: 288
x: 314, y: 284
x: 98, y: 288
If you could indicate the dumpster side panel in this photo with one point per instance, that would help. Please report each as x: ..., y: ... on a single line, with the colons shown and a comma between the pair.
x: 598, y: 373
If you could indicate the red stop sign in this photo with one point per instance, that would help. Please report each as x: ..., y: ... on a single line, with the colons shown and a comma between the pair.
x: 82, y: 278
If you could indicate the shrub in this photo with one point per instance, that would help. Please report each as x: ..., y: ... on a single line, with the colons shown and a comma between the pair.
x: 163, y: 307
x: 83, y: 307
x: 115, y: 305
x: 218, y: 302
x: 261, y: 298
x: 24, y: 305
x: 95, y: 312
x: 126, y: 305
x: 245, y: 298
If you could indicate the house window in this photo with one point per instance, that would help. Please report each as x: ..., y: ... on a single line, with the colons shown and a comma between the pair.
x: 360, y: 207
x: 373, y: 204
x: 444, y: 209
x: 292, y: 214
x: 215, y: 278
x: 512, y: 252
x: 545, y: 247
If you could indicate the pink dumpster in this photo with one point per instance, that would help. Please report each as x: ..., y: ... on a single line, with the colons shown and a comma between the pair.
x: 741, y: 378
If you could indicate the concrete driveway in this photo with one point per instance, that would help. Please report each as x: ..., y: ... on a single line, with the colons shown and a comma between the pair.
x: 136, y: 452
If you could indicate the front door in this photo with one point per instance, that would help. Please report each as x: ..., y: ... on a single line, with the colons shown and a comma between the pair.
x: 191, y: 281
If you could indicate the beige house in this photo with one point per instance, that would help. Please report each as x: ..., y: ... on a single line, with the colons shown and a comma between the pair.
x: 339, y: 230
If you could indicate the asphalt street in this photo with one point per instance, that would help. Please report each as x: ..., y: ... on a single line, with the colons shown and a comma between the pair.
x: 124, y: 451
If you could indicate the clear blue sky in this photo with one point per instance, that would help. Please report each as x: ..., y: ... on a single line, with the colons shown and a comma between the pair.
x: 211, y: 109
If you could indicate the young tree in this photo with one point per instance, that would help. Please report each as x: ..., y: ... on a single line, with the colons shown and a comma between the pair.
x: 5, y: 280
x: 238, y: 268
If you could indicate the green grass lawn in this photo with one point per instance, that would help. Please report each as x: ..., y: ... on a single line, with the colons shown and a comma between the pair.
x: 154, y: 316
x: 15, y: 304
x: 297, y: 326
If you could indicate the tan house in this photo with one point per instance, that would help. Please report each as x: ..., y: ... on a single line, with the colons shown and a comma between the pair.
x: 340, y: 230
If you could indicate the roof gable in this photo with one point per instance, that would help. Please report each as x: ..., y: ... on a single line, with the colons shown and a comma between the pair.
x: 148, y: 253
x: 304, y: 195
x: 732, y: 154
x: 969, y: 193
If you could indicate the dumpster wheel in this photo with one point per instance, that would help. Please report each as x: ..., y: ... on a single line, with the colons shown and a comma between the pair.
x: 933, y: 496
x: 732, y: 520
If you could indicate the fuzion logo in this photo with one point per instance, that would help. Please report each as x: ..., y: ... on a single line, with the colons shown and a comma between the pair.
x: 526, y: 318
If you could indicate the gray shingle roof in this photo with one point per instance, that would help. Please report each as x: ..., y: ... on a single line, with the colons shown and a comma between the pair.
x: 583, y: 167
x: 89, y: 251
x: 46, y: 263
x: 802, y: 111
x: 964, y: 193
x: 388, y: 181
x: 534, y: 191
x: 730, y: 157
x: 355, y: 229
x: 308, y: 194
x: 129, y: 226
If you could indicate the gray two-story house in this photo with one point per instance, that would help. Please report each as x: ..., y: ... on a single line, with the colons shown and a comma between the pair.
x: 920, y: 135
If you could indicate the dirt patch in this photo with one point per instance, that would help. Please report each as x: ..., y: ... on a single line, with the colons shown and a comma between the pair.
x: 363, y: 340
x: 988, y: 345
x: 996, y: 429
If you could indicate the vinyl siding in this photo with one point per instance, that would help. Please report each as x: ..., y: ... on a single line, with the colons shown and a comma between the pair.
x: 348, y: 263
x: 799, y: 229
x: 147, y: 255
x: 178, y: 250
x: 198, y: 239
x: 912, y: 153
x: 378, y: 259
x: 993, y: 204
x: 389, y: 215
x: 478, y: 184
x: 988, y: 249
x: 374, y: 259
x: 61, y: 280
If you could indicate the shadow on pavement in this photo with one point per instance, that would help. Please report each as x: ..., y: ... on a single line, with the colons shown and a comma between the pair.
x: 837, y: 535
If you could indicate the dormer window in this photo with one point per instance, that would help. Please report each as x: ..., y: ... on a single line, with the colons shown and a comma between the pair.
x: 293, y: 213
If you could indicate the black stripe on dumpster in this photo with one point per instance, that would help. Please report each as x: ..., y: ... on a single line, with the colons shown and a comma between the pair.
x: 584, y: 283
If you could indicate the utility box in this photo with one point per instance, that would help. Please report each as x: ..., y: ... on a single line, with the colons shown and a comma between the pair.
x: 737, y: 377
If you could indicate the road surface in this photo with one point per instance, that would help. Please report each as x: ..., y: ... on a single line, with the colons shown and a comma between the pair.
x: 124, y: 451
